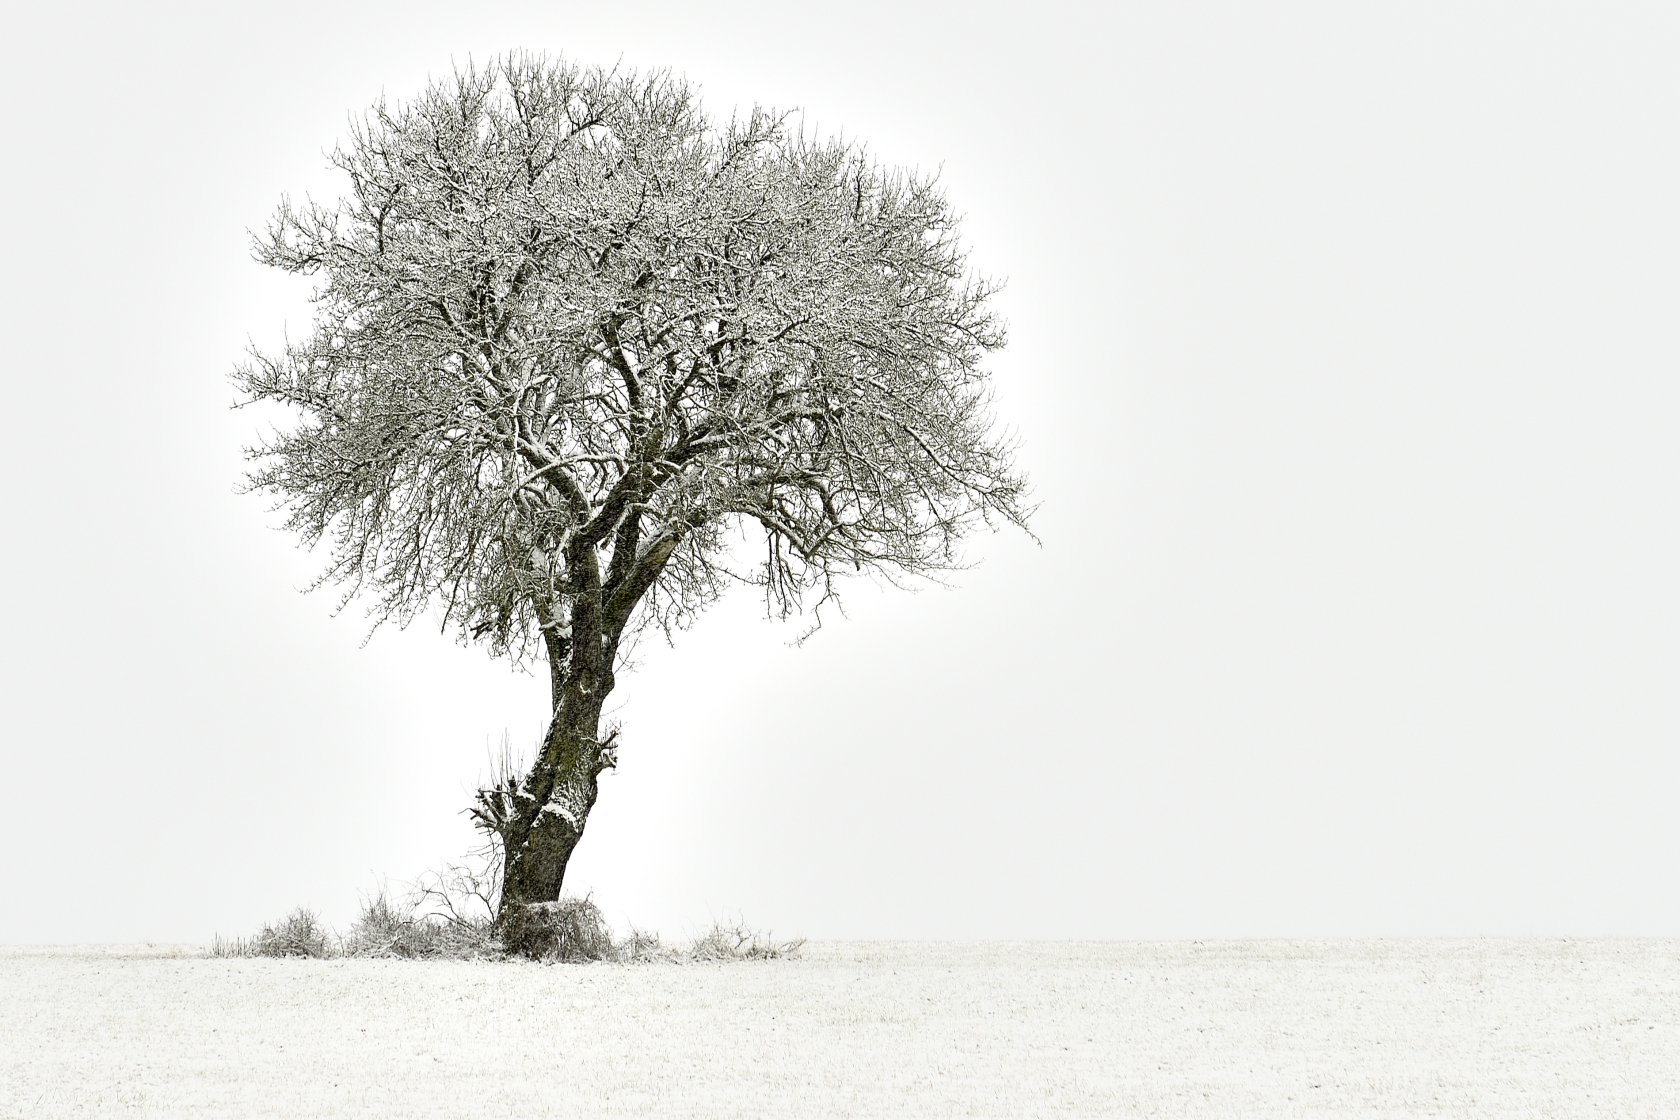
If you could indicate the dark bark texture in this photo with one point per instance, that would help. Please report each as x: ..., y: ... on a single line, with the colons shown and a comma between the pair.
x: 540, y: 818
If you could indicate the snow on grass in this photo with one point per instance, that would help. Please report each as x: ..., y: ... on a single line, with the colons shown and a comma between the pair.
x: 1409, y: 1028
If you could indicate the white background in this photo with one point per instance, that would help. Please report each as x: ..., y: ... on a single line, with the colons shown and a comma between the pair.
x: 1343, y: 357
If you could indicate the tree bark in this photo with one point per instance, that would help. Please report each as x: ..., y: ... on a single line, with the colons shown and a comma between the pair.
x: 554, y: 802
x: 554, y: 799
x: 540, y: 845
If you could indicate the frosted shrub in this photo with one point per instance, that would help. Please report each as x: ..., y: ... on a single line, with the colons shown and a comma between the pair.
x: 572, y: 929
x: 738, y: 943
x: 299, y: 934
x: 384, y: 930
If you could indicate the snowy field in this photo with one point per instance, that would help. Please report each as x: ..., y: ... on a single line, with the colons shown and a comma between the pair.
x: 1114, y: 1029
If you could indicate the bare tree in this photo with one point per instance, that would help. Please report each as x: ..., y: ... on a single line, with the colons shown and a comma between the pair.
x: 573, y: 339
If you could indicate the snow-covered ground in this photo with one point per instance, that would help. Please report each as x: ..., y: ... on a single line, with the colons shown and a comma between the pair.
x: 1213, y: 1029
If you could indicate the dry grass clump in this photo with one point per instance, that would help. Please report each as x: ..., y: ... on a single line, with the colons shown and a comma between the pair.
x: 298, y: 934
x: 570, y: 930
x: 574, y: 929
x: 738, y: 943
x: 642, y: 946
x: 723, y: 942
x: 385, y: 930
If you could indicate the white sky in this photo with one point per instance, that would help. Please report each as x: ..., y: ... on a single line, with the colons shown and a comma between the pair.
x: 1344, y: 362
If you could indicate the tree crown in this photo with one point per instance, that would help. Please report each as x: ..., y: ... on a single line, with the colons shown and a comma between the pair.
x: 570, y: 335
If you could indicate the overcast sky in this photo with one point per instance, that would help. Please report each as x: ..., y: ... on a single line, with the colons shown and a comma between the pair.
x: 1343, y: 360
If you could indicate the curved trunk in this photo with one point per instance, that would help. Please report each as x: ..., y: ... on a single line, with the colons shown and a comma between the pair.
x: 560, y: 791
x: 547, y: 815
x: 541, y: 821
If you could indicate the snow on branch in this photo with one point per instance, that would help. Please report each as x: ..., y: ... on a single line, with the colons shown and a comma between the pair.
x: 569, y: 331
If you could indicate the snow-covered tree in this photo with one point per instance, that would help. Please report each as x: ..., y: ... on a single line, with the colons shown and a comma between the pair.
x: 572, y: 339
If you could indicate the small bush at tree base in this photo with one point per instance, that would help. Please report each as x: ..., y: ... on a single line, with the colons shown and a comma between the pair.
x: 572, y: 929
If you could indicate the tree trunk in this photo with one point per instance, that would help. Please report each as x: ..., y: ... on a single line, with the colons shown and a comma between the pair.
x: 554, y: 799
x: 542, y: 821
x: 561, y: 790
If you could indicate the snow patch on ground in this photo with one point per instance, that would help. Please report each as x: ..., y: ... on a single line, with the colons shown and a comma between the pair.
x: 1390, y: 1028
